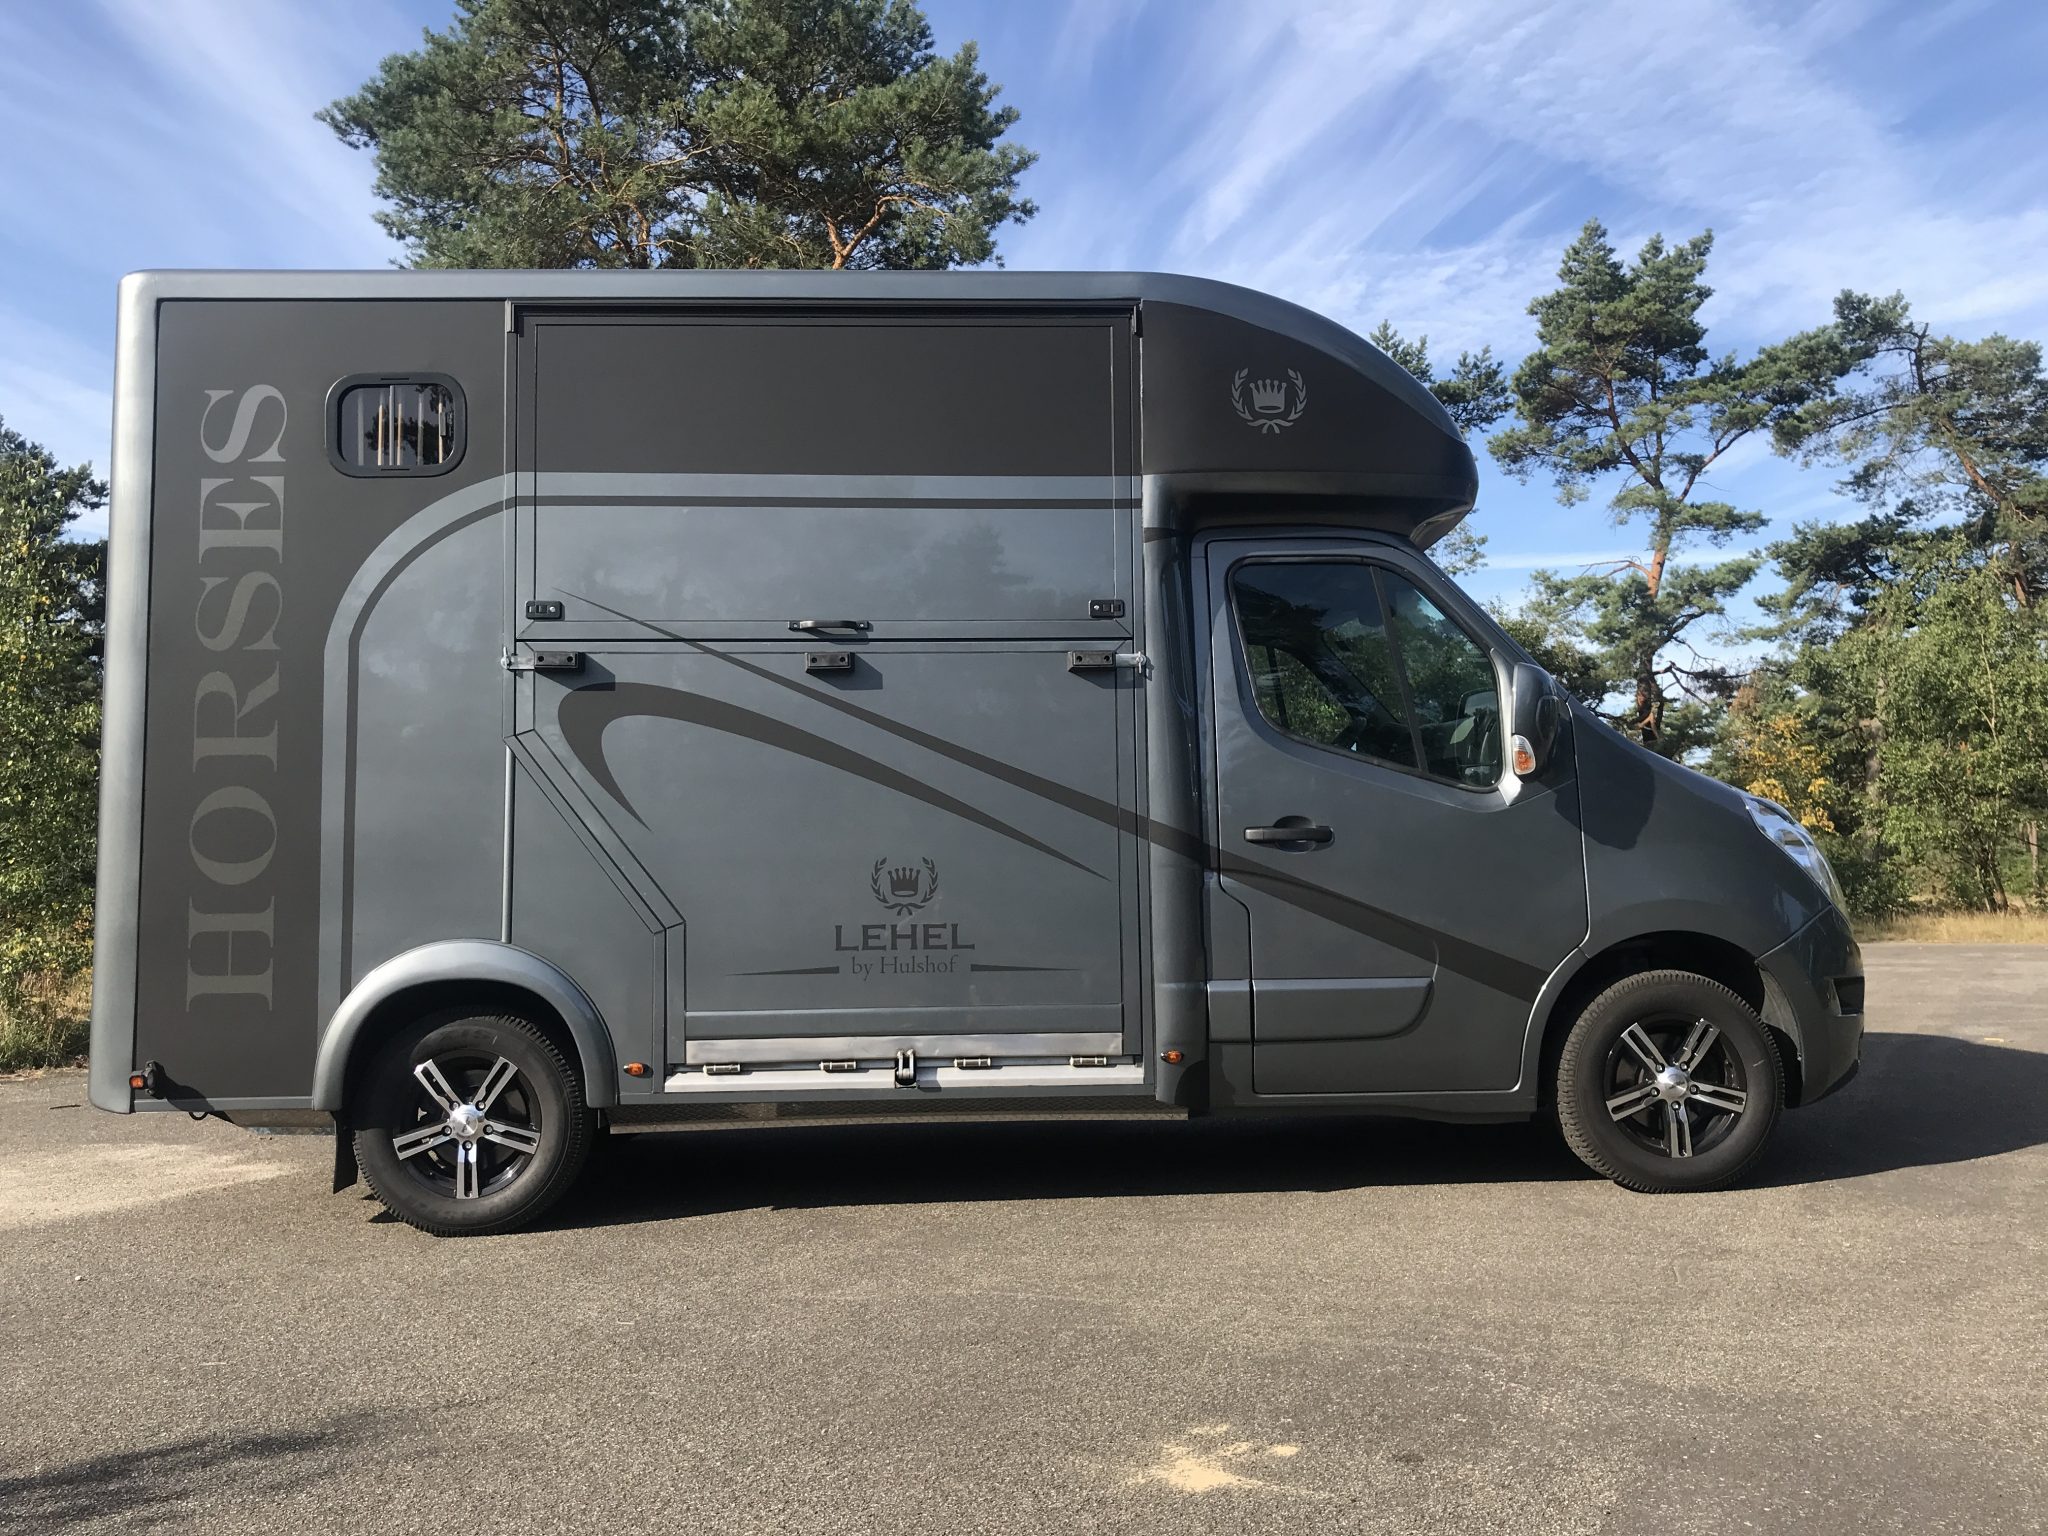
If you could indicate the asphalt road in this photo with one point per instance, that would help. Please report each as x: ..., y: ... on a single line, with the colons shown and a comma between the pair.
x: 1291, y: 1327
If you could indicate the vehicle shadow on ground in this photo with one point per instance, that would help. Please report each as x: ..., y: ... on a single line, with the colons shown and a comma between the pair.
x: 153, y: 1485
x: 1921, y: 1100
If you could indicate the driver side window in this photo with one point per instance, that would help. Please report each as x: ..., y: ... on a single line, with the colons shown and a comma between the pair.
x: 1321, y: 666
x: 1328, y: 668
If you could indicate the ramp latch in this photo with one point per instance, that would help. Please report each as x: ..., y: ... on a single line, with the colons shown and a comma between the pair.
x: 1106, y: 661
x: 545, y: 661
x: 906, y: 1069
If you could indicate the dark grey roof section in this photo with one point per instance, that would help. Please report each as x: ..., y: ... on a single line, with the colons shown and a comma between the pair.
x: 528, y: 287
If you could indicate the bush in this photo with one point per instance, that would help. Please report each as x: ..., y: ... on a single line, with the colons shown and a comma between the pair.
x: 43, y: 1023
x: 50, y: 629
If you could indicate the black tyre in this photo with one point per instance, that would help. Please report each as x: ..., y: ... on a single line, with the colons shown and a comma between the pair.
x: 470, y: 1123
x: 1669, y: 1082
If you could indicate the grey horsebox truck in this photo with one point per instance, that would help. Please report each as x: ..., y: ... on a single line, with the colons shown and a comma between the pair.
x: 540, y: 704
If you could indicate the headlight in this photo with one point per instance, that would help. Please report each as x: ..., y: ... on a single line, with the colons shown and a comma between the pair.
x: 1780, y: 826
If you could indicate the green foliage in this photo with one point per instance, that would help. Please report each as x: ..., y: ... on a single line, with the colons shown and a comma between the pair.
x: 1475, y: 395
x: 1622, y: 390
x: 1957, y: 675
x: 1910, y: 636
x: 694, y: 133
x: 51, y: 619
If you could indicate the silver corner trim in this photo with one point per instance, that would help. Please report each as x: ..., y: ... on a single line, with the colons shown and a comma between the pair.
x: 117, y: 897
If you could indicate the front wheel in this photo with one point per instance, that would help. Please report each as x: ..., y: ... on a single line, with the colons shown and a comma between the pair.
x: 1668, y: 1082
x: 471, y: 1123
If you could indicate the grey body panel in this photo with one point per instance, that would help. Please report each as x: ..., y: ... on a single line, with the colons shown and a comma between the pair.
x: 322, y: 786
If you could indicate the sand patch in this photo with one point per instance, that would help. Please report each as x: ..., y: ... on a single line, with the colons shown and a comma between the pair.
x: 94, y: 1181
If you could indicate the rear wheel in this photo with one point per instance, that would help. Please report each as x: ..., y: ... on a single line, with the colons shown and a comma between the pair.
x: 471, y: 1124
x: 1669, y: 1082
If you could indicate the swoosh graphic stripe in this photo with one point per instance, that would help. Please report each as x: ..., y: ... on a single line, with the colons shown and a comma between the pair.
x: 1502, y: 972
x: 586, y: 712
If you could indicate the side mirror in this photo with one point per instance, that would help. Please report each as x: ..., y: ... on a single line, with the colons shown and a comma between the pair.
x: 1537, y: 713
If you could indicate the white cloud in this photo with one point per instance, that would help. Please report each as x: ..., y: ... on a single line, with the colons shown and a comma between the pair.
x: 246, y: 77
x: 1559, y: 560
x: 1313, y: 148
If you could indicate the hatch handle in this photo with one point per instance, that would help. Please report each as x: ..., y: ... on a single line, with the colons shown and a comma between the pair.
x: 811, y: 626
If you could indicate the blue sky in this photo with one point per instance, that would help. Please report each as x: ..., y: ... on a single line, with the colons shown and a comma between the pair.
x: 1425, y: 163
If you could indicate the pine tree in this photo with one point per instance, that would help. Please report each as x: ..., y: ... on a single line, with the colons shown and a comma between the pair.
x: 1622, y: 391
x: 694, y: 133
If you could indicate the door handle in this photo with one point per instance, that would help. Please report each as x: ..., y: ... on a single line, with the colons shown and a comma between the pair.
x: 1299, y: 832
x: 806, y: 626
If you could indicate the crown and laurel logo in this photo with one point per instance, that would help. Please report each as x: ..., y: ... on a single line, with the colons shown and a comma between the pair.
x: 1275, y: 404
x: 905, y: 888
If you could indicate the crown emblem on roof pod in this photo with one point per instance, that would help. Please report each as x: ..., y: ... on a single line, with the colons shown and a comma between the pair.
x: 1269, y: 409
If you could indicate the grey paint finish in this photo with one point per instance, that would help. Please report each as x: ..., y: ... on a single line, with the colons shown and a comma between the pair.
x: 467, y: 960
x: 684, y: 494
x: 652, y: 393
x: 425, y: 818
x: 1671, y: 850
x: 708, y: 565
x: 1402, y: 956
x: 255, y: 539
x: 340, y: 668
x: 567, y: 911
x: 795, y: 843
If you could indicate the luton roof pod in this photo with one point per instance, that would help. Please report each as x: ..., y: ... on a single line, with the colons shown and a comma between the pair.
x: 538, y: 702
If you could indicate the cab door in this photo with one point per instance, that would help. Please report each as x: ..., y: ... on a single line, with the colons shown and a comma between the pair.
x: 1404, y: 894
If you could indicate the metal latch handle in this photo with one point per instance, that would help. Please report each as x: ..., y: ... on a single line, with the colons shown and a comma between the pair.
x: 805, y: 626
x: 1106, y: 661
x: 545, y: 661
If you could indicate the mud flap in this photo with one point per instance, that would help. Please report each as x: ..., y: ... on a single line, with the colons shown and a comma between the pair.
x: 345, y: 1171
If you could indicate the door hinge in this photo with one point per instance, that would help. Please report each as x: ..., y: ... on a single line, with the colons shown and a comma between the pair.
x: 544, y: 661
x: 1107, y: 661
x: 906, y: 1069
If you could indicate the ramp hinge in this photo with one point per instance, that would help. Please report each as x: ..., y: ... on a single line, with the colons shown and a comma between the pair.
x: 722, y: 1069
x: 906, y: 1069
x: 1088, y: 1061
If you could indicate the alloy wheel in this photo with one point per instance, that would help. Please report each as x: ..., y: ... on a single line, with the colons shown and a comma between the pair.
x: 1675, y: 1086
x: 478, y: 1126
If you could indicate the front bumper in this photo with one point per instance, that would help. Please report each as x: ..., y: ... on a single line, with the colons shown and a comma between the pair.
x: 1814, y: 987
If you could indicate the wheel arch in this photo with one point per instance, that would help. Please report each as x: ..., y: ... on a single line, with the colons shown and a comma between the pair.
x: 1710, y: 955
x: 464, y: 972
